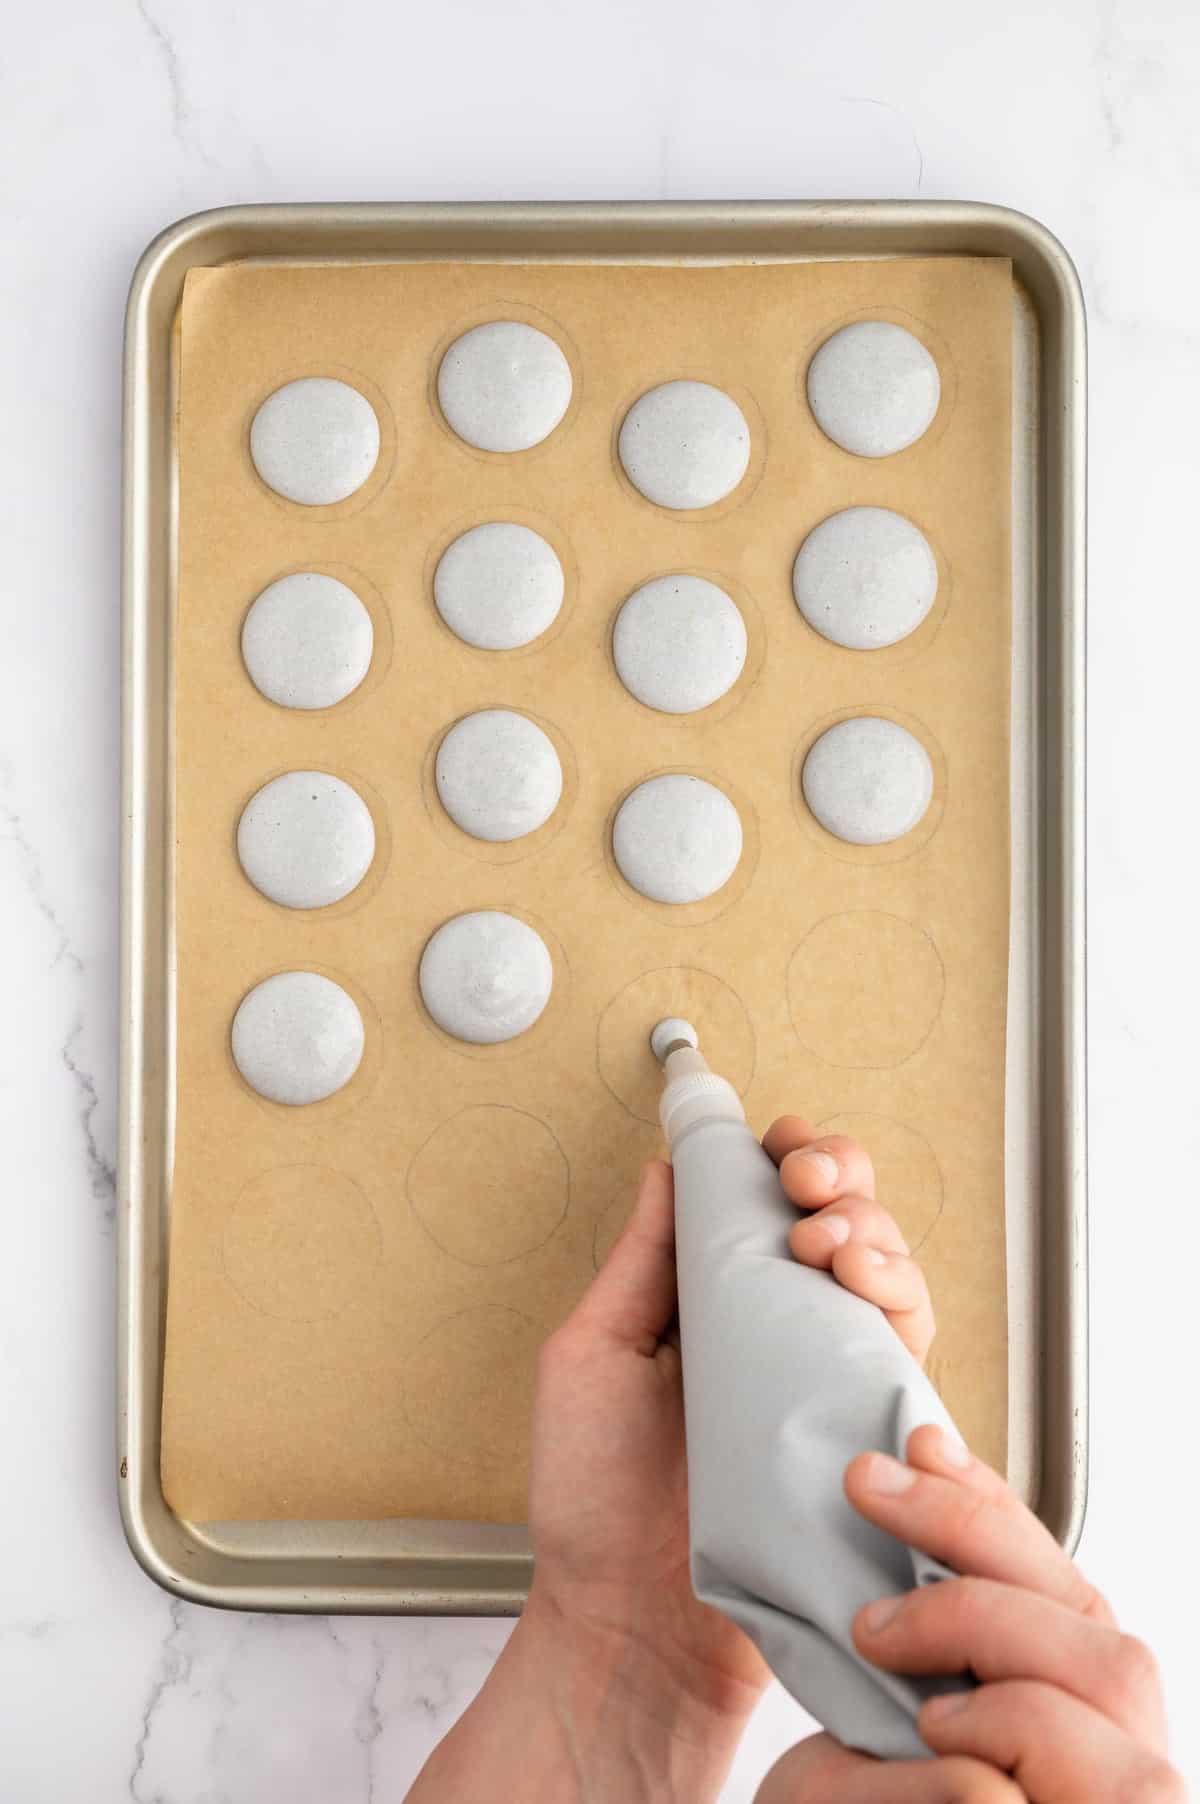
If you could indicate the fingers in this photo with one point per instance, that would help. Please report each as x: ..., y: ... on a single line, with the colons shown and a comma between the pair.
x: 965, y: 1515
x: 782, y: 1137
x: 999, y: 1631
x: 851, y: 1218
x: 1053, y: 1745
x: 814, y: 1169
x: 821, y: 1769
x: 850, y: 1234
x: 859, y: 1242
x: 896, y: 1285
x: 632, y: 1298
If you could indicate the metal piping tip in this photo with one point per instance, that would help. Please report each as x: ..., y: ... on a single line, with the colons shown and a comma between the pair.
x: 669, y: 1035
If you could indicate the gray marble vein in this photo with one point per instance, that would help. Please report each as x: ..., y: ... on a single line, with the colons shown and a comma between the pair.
x: 101, y: 1168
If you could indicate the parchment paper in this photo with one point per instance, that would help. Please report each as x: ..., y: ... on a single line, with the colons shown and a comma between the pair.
x: 357, y: 1290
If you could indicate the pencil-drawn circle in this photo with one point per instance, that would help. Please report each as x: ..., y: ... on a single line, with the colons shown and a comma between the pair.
x: 306, y: 839
x: 315, y: 441
x: 504, y: 386
x: 751, y: 634
x: 873, y: 388
x: 679, y: 643
x: 623, y: 1056
x: 908, y: 1177
x: 677, y: 839
x: 685, y: 445
x: 868, y: 780
x: 498, y: 775
x: 301, y: 1243
x: 491, y: 1184
x: 500, y: 851
x: 844, y: 851
x: 297, y: 1037
x: 499, y: 585
x: 485, y: 976
x: 307, y: 641
x: 722, y: 900
x: 468, y: 1386
x: 865, y: 578
x: 865, y: 989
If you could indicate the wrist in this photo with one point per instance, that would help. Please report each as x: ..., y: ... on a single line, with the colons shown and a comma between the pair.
x: 576, y: 1710
x: 643, y: 1719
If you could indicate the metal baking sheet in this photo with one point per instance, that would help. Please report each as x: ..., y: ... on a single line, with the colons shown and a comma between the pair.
x: 448, y: 1567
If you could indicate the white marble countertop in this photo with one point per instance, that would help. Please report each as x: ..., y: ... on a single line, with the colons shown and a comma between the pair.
x: 120, y: 115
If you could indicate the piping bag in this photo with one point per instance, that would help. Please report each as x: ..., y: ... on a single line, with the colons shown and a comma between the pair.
x: 786, y: 1376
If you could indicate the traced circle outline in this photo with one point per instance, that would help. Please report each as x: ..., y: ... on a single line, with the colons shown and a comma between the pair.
x: 894, y: 851
x: 477, y: 1109
x: 828, y: 1126
x: 385, y: 464
x: 732, y: 891
x: 324, y: 1172
x: 663, y: 971
x: 497, y: 312
x: 886, y: 914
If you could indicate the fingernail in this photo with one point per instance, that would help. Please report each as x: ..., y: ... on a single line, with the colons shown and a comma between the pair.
x: 953, y: 1451
x: 876, y: 1616
x: 945, y: 1705
x: 889, y: 1476
x: 823, y: 1166
x: 836, y: 1226
x: 874, y: 1256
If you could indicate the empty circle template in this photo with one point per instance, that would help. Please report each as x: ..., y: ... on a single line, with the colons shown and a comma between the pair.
x: 504, y: 386
x: 485, y: 977
x: 498, y: 776
x: 306, y: 839
x: 297, y: 1037
x: 685, y: 445
x: 307, y: 641
x: 489, y: 1219
x: 498, y: 586
x: 677, y: 839
x: 865, y: 578
x: 315, y: 441
x: 873, y: 388
x: 868, y: 781
x: 679, y: 643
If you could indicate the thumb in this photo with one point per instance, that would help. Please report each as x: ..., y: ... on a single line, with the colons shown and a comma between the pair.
x: 820, y: 1769
x: 631, y: 1300
x: 813, y: 1772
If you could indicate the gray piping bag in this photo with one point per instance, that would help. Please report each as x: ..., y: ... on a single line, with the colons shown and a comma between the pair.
x: 786, y: 1377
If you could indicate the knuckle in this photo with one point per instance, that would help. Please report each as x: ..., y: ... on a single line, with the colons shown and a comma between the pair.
x: 970, y: 1601
x: 1091, y: 1603
x: 960, y: 1612
x: 973, y: 1511
x: 1135, y: 1669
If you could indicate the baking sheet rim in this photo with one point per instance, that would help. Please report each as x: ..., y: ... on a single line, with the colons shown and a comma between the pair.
x: 1060, y: 1075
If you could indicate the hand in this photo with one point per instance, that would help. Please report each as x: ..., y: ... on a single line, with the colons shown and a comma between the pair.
x: 608, y: 1497
x: 617, y: 1682
x: 1068, y: 1710
x: 858, y: 1241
